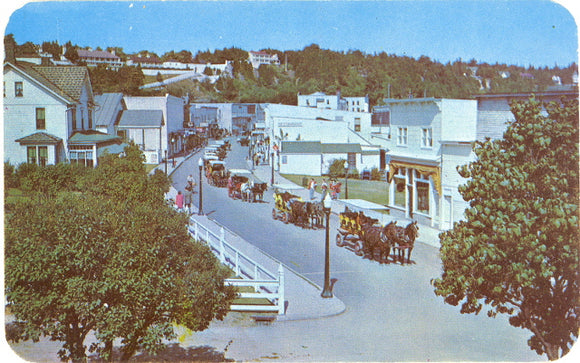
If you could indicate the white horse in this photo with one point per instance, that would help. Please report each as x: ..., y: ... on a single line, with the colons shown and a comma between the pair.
x: 246, y: 190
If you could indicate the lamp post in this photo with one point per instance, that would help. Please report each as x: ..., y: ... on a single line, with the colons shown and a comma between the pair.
x: 272, y: 162
x: 346, y: 180
x: 327, y: 290
x: 200, y: 164
x: 173, y: 151
x: 165, y: 161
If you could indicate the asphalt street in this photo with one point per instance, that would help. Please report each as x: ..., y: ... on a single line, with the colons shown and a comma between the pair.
x: 392, y: 313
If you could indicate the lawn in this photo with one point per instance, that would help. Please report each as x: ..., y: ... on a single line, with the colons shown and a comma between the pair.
x: 13, y: 195
x: 370, y: 190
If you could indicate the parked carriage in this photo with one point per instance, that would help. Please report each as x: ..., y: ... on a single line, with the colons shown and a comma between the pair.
x: 366, y: 236
x: 241, y: 185
x: 216, y: 173
x: 290, y: 208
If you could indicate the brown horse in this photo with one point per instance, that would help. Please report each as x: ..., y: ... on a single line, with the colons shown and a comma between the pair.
x: 377, y: 238
x: 405, y: 240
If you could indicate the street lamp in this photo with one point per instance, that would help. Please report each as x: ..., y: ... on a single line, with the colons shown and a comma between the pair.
x: 327, y: 291
x: 173, y: 152
x: 165, y: 161
x: 346, y: 180
x: 200, y: 164
x: 272, y: 162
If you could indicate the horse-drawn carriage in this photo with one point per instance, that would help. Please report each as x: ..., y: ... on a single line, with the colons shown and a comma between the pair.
x: 241, y: 185
x: 216, y: 173
x: 366, y: 236
x: 290, y: 208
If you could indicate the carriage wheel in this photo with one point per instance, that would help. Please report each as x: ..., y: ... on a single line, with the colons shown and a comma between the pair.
x: 285, y: 217
x: 274, y: 214
x: 358, y: 248
x: 339, y: 240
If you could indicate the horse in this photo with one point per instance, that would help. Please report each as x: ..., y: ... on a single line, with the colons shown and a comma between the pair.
x: 299, y: 212
x: 315, y: 213
x: 375, y: 237
x: 405, y: 239
x: 246, y: 191
x: 258, y: 190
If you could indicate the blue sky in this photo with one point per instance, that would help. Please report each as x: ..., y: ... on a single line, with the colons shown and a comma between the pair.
x: 531, y: 32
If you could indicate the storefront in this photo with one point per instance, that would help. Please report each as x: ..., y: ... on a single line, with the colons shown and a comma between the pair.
x: 414, y: 190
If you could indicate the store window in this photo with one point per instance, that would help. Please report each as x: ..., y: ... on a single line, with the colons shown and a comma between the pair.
x: 422, y: 193
x: 400, y: 186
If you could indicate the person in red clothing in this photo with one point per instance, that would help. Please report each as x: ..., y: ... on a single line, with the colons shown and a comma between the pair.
x: 179, y: 201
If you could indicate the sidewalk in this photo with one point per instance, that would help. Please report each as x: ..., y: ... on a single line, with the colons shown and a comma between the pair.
x: 427, y: 234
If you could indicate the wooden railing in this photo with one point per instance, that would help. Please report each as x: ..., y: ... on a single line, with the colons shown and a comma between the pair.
x: 249, y: 274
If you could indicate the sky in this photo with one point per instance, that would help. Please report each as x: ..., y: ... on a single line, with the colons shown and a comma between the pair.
x: 530, y: 32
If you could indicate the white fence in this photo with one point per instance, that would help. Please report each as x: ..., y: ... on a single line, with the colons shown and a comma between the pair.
x: 264, y: 284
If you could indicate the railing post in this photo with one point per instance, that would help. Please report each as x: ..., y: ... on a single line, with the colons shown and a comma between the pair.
x: 255, y: 271
x: 222, y: 247
x: 237, y: 269
x: 195, y: 230
x: 281, y: 297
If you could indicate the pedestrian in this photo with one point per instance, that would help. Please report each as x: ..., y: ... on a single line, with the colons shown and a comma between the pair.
x: 337, y: 186
x: 312, y: 187
x: 332, y: 188
x: 179, y: 201
x: 190, y: 179
x: 188, y: 197
x: 324, y: 187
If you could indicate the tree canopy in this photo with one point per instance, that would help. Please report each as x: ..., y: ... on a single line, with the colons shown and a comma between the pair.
x: 517, y: 250
x: 108, y: 255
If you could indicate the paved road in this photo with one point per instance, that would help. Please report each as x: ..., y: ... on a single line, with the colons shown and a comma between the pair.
x: 392, y: 313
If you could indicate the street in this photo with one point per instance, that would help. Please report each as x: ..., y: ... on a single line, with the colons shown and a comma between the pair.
x: 392, y: 313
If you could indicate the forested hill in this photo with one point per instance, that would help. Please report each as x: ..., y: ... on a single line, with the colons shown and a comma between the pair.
x: 353, y: 73
x: 381, y: 75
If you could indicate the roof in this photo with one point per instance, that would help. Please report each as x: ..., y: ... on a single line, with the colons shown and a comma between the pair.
x: 111, y: 149
x: 91, y: 137
x: 301, y: 147
x: 137, y: 59
x: 341, y: 148
x: 316, y: 147
x: 39, y: 138
x: 141, y: 118
x: 555, y: 93
x: 65, y: 81
x: 107, y: 105
x: 97, y: 54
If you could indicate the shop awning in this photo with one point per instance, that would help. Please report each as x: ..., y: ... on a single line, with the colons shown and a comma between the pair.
x: 432, y: 171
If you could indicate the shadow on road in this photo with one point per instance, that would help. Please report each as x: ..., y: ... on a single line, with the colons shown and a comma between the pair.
x: 175, y: 353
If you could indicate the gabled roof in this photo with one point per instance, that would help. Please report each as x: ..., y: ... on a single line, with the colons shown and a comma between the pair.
x: 107, y: 106
x: 39, y: 138
x: 141, y: 118
x: 91, y: 137
x: 65, y: 81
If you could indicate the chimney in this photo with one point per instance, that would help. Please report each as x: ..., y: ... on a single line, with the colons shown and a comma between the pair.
x: 9, y: 50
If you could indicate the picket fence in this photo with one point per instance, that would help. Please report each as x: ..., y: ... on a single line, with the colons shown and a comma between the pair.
x: 250, y: 275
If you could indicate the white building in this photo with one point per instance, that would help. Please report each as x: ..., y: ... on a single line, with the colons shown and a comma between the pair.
x: 154, y: 123
x: 427, y: 138
x: 93, y: 58
x: 334, y: 102
x: 259, y: 58
x: 48, y: 116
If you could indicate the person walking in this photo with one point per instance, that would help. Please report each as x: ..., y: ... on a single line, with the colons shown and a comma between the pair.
x: 324, y: 187
x: 312, y: 187
x: 179, y: 201
x: 188, y: 197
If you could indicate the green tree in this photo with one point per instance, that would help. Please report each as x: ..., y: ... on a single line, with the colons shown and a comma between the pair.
x: 117, y: 261
x: 517, y: 250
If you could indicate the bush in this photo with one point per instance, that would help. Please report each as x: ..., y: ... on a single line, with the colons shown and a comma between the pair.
x: 376, y: 174
x: 336, y: 169
x: 10, y: 177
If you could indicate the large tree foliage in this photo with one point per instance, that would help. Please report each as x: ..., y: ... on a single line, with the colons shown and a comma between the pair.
x: 108, y: 256
x: 517, y: 249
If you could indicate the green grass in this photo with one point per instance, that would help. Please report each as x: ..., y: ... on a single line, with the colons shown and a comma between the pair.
x: 370, y: 190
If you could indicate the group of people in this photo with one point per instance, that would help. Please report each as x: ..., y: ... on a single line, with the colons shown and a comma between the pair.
x: 333, y: 188
x: 184, y: 201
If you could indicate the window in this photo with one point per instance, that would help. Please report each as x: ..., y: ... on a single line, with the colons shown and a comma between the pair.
x: 381, y: 118
x: 42, y: 155
x: 31, y: 154
x: 402, y: 136
x: 74, y: 118
x: 422, y: 197
x: 80, y: 154
x: 427, y: 138
x: 40, y: 119
x: 90, y: 119
x: 400, y: 187
x: 357, y: 124
x: 18, y: 89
